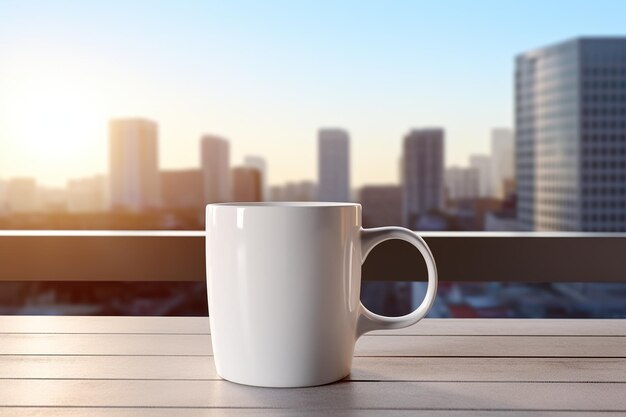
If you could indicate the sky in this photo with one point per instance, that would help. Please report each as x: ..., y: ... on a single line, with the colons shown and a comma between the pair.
x: 267, y: 75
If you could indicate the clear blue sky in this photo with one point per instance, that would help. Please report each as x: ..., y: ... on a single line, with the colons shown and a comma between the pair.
x: 267, y: 75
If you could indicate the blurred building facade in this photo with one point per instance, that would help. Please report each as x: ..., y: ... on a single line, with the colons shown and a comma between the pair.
x: 3, y: 200
x: 52, y: 199
x: 381, y: 205
x: 502, y: 162
x: 21, y: 195
x: 501, y: 221
x: 182, y: 189
x: 133, y: 164
x: 246, y: 183
x: 570, y: 103
x: 423, y: 174
x: 294, y: 191
x: 333, y: 165
x: 87, y: 195
x: 259, y: 163
x: 483, y: 165
x: 215, y: 165
x: 462, y: 183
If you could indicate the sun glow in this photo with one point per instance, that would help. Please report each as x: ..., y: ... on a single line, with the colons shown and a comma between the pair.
x: 53, y: 119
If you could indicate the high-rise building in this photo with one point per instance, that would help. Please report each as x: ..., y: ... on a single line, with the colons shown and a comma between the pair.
x: 133, y: 164
x: 86, y: 195
x: 21, y: 195
x: 423, y: 176
x: 483, y: 165
x: 260, y: 164
x: 570, y: 147
x: 333, y: 165
x: 382, y: 205
x: 502, y: 161
x: 462, y: 183
x: 246, y: 184
x: 182, y: 189
x: 215, y: 163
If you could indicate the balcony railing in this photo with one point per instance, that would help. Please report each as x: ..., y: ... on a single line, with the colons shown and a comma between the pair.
x: 179, y: 256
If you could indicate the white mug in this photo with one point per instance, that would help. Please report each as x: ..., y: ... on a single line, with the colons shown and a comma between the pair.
x: 284, y: 290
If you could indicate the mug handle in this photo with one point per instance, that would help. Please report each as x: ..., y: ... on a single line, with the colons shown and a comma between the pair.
x: 369, y: 321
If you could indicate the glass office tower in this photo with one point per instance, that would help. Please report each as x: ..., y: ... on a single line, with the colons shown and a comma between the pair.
x: 570, y: 116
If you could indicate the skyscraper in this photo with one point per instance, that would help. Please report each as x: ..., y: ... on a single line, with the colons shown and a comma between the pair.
x: 502, y: 158
x: 483, y: 165
x: 333, y: 165
x: 133, y: 164
x: 423, y: 177
x: 215, y: 163
x: 570, y: 108
x: 246, y: 184
x: 260, y: 164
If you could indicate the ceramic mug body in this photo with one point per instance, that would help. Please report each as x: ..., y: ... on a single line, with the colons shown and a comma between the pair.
x: 284, y: 291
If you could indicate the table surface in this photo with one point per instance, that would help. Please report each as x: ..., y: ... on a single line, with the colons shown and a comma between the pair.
x: 163, y: 366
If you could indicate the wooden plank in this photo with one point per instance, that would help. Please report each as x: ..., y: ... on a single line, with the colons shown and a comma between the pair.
x: 489, y: 369
x: 512, y: 327
x: 107, y: 367
x: 361, y: 395
x: 105, y: 344
x: 200, y: 325
x: 492, y: 346
x: 238, y: 412
x: 363, y: 368
x: 104, y: 324
x: 484, y: 346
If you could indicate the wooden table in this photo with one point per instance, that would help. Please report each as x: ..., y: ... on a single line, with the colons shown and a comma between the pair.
x: 118, y: 366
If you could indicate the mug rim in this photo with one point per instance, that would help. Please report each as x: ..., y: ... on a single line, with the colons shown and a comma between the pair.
x: 285, y: 204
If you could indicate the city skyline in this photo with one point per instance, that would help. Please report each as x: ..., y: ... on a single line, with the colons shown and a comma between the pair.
x: 266, y: 83
x: 136, y: 183
x: 247, y: 160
